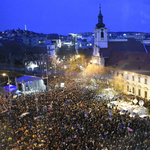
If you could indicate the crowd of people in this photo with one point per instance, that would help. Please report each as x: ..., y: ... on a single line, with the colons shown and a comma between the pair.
x: 68, y: 118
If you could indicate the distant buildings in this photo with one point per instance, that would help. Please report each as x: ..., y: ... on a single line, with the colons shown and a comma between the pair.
x: 28, y: 48
x: 126, y: 54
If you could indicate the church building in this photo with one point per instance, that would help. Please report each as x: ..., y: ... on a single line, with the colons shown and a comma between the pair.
x: 129, y: 61
x: 100, y: 40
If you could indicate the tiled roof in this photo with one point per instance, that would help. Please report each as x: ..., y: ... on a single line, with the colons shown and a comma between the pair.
x: 122, y: 46
x: 131, y: 61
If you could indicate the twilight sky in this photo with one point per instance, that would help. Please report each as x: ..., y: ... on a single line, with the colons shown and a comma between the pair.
x: 74, y: 16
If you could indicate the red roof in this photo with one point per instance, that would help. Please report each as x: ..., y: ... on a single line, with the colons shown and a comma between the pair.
x: 131, y: 61
x: 122, y: 46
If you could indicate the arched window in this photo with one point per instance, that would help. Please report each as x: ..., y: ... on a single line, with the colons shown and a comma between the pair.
x: 139, y: 92
x: 133, y: 90
x: 145, y: 94
x: 102, y: 34
x: 127, y: 88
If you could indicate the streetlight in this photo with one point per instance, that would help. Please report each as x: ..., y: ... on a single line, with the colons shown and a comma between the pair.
x: 4, y: 74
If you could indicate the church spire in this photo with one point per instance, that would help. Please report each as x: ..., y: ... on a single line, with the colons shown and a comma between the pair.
x: 100, y: 23
x: 100, y: 8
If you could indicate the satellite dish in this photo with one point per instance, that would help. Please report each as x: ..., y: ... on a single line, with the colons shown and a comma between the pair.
x: 141, y: 103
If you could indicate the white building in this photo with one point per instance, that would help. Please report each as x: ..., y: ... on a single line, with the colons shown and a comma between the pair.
x: 132, y: 75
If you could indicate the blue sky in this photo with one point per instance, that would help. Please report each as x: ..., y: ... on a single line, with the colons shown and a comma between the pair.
x: 74, y: 16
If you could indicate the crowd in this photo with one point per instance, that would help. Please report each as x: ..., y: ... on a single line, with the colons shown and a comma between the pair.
x: 68, y: 118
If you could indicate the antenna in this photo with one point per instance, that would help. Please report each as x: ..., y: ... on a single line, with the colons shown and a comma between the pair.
x: 25, y: 28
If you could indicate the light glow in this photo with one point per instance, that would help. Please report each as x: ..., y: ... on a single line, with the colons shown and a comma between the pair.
x: 95, y: 61
x: 4, y: 74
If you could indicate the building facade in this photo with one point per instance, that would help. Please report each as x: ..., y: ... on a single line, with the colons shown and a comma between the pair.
x: 132, y: 83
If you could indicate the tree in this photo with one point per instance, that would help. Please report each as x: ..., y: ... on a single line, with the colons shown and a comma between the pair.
x: 95, y: 70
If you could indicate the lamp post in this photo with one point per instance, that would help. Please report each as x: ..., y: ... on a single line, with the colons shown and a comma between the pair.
x: 4, y: 74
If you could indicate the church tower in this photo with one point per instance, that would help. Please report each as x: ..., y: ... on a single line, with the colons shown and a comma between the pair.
x: 100, y: 41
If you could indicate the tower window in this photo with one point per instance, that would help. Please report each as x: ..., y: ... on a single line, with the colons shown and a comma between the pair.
x: 102, y: 34
x: 95, y: 35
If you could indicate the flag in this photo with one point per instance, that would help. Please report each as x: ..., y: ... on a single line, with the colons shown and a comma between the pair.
x: 66, y: 101
x: 75, y: 137
x: 120, y: 125
x: 129, y: 129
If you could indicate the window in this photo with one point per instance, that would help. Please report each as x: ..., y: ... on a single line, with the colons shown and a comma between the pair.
x: 127, y: 88
x: 139, y: 79
x: 102, y: 34
x: 139, y: 92
x: 145, y: 81
x: 127, y: 77
x: 133, y: 90
x: 95, y: 34
x: 132, y: 78
x: 145, y: 94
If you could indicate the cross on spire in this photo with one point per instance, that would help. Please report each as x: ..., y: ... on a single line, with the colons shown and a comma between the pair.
x: 100, y: 8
